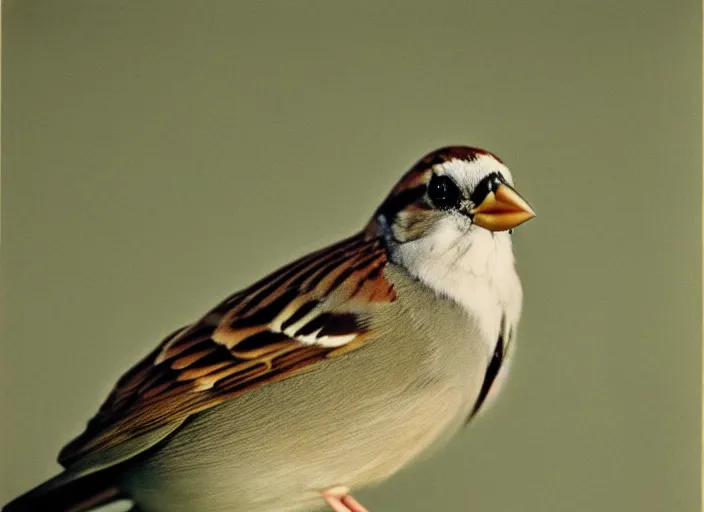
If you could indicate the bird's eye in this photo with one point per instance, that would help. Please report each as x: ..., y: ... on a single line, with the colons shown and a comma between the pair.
x: 443, y: 192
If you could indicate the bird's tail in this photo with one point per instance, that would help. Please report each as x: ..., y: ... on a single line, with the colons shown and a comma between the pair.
x: 68, y: 492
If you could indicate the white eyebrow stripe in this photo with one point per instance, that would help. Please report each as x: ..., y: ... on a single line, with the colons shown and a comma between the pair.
x: 467, y: 174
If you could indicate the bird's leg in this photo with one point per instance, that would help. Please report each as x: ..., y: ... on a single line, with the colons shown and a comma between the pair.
x: 340, y: 500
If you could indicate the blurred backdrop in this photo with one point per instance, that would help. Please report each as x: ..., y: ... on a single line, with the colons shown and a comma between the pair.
x: 158, y: 155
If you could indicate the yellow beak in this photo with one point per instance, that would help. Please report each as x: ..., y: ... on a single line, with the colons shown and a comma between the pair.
x: 502, y: 209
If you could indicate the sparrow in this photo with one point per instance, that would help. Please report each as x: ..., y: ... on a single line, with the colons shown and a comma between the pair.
x: 329, y: 374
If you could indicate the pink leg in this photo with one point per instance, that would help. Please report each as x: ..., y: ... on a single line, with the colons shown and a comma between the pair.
x: 339, y: 499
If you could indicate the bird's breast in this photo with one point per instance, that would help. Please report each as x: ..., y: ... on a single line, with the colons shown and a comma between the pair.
x: 352, y: 420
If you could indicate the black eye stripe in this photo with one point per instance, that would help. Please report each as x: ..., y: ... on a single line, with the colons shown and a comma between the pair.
x: 395, y: 204
x: 488, y: 184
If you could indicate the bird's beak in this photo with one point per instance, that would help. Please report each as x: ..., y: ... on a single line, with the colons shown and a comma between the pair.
x: 502, y: 209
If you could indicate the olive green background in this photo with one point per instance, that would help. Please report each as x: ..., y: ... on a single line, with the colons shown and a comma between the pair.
x: 158, y: 155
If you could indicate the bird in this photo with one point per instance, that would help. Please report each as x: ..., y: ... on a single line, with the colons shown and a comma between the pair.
x: 328, y: 375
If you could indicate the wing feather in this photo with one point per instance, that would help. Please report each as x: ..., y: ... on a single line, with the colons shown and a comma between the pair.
x: 303, y: 313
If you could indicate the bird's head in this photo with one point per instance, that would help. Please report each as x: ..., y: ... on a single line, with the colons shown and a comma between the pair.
x: 456, y: 189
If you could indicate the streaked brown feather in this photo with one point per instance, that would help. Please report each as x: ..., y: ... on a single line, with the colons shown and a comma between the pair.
x: 239, y: 345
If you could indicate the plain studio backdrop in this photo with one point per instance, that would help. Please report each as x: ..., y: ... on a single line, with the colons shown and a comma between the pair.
x: 159, y: 155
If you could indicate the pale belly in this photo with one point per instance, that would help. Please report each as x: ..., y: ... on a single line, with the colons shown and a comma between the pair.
x: 354, y: 422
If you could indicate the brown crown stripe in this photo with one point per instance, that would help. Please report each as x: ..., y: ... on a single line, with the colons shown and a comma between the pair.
x: 449, y: 153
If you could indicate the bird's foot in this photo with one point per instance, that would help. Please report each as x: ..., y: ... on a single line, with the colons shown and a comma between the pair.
x: 340, y: 500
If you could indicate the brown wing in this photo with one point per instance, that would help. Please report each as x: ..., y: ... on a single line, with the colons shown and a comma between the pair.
x: 307, y: 311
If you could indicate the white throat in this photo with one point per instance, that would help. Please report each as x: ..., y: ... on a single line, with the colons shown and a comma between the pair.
x: 475, y: 269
